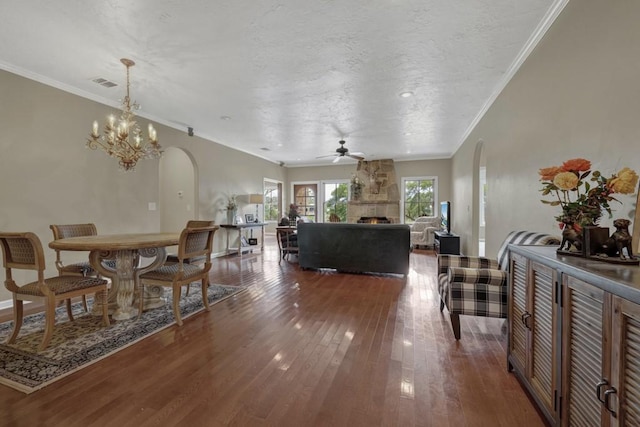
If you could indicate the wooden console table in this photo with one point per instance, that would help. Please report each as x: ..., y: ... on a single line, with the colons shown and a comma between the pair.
x: 229, y: 228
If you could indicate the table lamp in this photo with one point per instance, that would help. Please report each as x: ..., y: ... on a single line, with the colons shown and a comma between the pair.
x: 258, y: 199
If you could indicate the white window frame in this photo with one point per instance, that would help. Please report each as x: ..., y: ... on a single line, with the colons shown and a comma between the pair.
x: 436, y: 200
x: 264, y: 189
x: 323, y: 196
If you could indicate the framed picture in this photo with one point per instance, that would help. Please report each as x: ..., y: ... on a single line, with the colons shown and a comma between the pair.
x: 239, y: 219
x: 248, y: 218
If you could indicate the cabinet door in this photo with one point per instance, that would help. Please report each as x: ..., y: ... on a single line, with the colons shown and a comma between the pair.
x: 542, y: 368
x: 624, y: 398
x: 518, y: 314
x: 585, y: 320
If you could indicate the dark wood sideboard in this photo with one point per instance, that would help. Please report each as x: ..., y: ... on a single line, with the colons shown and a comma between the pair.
x: 574, y: 336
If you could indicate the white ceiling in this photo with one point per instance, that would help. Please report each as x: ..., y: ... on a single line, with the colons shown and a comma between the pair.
x: 290, y: 76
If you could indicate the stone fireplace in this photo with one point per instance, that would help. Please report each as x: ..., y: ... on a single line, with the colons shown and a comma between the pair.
x: 374, y: 220
x: 379, y: 195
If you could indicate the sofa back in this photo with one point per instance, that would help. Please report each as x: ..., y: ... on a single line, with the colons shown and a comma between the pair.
x: 379, y: 248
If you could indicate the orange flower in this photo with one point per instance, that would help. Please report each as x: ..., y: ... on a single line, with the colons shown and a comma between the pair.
x: 566, y: 180
x: 576, y: 165
x: 547, y: 174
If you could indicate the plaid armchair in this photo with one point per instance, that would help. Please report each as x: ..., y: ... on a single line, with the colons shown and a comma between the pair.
x: 477, y: 286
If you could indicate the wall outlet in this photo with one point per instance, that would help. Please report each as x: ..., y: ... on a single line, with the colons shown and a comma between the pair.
x: 152, y: 206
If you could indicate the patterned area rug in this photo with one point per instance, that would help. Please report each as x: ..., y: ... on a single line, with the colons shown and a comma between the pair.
x: 84, y: 341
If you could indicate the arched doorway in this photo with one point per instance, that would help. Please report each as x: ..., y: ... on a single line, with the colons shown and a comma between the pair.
x: 479, y: 199
x: 178, y: 188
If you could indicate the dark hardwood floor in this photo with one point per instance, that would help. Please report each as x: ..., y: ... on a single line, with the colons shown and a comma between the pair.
x: 298, y: 348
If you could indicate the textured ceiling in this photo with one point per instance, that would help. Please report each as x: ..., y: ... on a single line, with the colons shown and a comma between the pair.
x: 284, y: 80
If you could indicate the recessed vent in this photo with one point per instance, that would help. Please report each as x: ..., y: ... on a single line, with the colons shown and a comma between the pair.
x: 104, y: 82
x: 265, y: 149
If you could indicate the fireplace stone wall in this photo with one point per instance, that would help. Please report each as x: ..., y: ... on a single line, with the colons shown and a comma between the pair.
x: 380, y: 195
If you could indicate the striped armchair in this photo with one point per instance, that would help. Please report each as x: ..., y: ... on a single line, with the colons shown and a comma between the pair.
x: 477, y: 286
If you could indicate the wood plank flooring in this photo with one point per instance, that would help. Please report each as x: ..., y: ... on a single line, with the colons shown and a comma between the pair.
x: 298, y: 348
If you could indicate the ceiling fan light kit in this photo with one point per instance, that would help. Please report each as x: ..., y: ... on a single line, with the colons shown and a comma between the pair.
x: 342, y: 152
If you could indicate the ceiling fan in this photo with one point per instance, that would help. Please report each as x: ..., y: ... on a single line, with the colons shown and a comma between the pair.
x: 343, y: 151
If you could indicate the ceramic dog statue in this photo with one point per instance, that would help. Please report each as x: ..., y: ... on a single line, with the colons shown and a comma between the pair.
x: 619, y: 240
x: 570, y: 236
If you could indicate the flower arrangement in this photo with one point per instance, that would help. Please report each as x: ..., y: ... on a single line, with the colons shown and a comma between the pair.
x: 356, y: 187
x: 232, y: 204
x: 583, y: 201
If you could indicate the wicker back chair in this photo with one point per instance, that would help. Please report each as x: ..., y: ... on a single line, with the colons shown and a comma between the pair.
x: 199, y: 260
x: 73, y: 230
x: 287, y: 242
x: 84, y: 269
x: 23, y: 251
x: 194, y: 242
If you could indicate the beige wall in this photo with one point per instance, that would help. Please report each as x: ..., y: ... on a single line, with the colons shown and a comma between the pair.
x: 47, y: 175
x: 577, y: 95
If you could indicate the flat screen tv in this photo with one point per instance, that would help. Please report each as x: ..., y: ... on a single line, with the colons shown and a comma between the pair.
x: 445, y: 217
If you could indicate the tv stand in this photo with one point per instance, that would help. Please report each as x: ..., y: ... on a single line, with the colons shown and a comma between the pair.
x: 446, y: 243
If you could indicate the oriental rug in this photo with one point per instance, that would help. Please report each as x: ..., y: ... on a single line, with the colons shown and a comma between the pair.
x: 84, y: 341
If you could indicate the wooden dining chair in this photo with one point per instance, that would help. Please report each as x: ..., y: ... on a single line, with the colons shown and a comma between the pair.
x: 83, y: 268
x: 23, y: 251
x: 172, y: 258
x: 194, y: 242
x: 287, y: 242
x: 193, y: 223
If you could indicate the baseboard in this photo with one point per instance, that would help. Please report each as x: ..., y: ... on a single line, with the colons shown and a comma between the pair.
x: 29, y: 307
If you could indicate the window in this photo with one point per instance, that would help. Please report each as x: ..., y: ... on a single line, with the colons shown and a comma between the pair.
x: 305, y: 199
x: 272, y: 200
x: 335, y: 201
x: 419, y: 197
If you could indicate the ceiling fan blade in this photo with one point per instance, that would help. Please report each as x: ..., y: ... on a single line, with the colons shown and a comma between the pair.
x: 337, y: 159
x: 355, y: 156
x: 329, y: 155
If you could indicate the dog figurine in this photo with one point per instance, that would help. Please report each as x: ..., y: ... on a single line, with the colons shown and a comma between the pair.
x: 619, y: 240
x: 570, y: 236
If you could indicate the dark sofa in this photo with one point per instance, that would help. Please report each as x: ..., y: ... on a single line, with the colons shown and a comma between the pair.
x: 356, y: 248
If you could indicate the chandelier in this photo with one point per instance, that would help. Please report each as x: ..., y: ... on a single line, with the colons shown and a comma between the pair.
x: 123, y: 139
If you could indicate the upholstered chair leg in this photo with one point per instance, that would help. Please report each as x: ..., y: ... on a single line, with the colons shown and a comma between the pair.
x: 84, y: 304
x: 441, y: 304
x: 176, y: 304
x: 205, y: 297
x: 455, y: 324
x: 50, y: 319
x: 17, y: 319
x: 69, y: 311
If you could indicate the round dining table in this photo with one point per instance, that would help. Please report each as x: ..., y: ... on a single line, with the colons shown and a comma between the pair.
x: 126, y: 250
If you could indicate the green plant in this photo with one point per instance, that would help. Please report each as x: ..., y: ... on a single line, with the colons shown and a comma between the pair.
x: 232, y: 204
